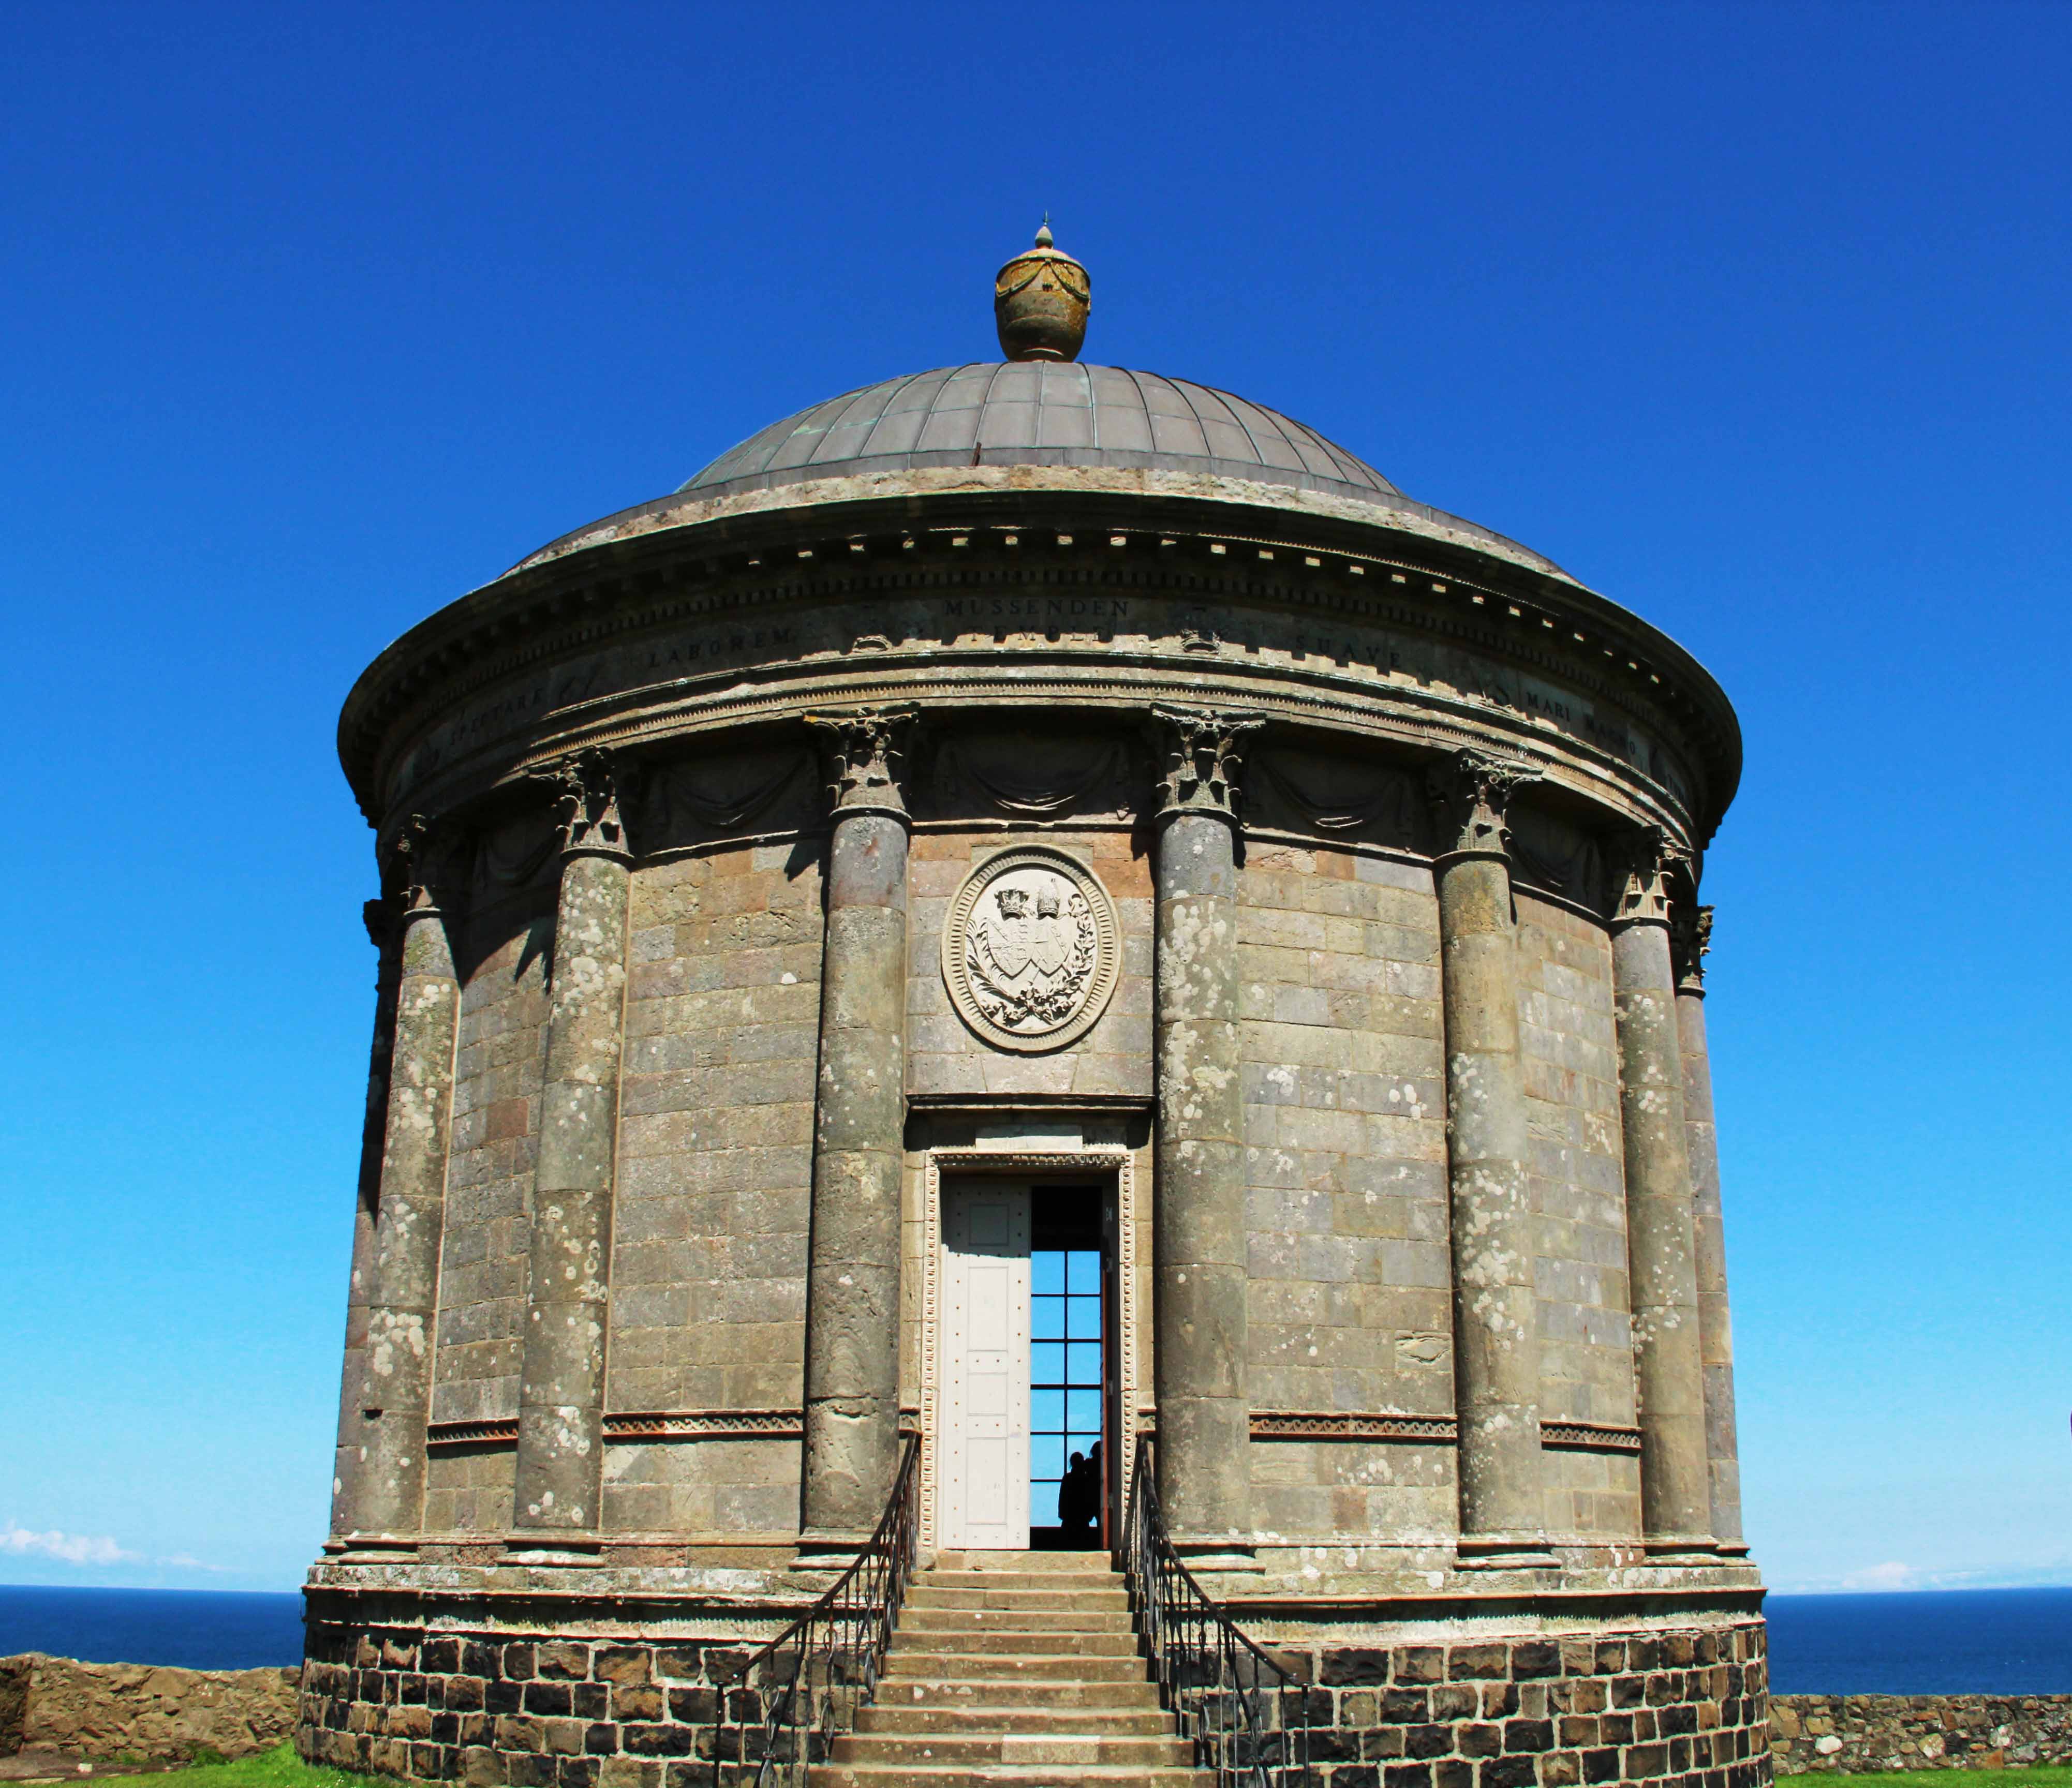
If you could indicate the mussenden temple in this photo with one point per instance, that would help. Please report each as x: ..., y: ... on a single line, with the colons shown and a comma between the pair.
x: 1039, y: 1114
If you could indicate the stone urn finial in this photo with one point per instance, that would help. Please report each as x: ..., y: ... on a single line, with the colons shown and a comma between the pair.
x: 1040, y: 301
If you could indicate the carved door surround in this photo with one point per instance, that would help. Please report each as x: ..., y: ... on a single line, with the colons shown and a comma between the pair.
x: 1097, y: 1162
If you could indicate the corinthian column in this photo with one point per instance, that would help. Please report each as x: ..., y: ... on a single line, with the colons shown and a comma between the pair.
x: 560, y: 1473
x: 1496, y: 1328
x: 1661, y: 1250
x: 1198, y: 1223
x: 383, y: 934
x: 385, y: 1489
x: 859, y: 1119
x: 1690, y: 937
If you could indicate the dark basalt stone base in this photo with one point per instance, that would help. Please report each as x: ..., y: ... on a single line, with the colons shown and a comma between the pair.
x: 1684, y: 1707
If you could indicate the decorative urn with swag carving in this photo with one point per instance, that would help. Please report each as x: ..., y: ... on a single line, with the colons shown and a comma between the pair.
x: 1034, y: 904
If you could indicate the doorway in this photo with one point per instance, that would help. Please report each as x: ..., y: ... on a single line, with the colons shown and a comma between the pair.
x: 1026, y: 1436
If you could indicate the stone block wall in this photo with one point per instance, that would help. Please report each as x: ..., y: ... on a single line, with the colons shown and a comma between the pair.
x: 1685, y: 1708
x: 711, y: 1219
x: 1346, y: 1151
x: 499, y: 1069
x: 1849, y: 1734
x: 1571, y: 1070
x: 535, y: 1711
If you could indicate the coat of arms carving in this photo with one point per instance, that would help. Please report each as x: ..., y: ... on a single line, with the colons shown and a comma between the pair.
x: 1031, y: 949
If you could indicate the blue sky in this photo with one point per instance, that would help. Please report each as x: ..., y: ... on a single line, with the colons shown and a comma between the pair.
x: 1753, y: 318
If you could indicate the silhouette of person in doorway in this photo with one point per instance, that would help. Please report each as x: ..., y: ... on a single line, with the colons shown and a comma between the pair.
x: 1079, y: 1493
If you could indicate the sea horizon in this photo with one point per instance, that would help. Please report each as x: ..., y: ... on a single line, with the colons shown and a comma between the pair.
x: 1924, y: 1642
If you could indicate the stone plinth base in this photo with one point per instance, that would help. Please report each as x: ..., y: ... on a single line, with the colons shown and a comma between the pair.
x: 565, y: 1690
x: 1685, y: 1707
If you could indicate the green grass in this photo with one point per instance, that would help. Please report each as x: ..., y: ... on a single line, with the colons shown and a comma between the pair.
x: 2045, y: 1775
x: 278, y: 1768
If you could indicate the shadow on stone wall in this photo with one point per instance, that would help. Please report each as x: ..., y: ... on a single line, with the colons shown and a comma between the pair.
x: 1850, y: 1733
x: 151, y: 1711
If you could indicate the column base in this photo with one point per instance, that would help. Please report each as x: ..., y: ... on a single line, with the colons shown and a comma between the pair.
x: 374, y: 1549
x: 1217, y: 1553
x: 828, y: 1549
x: 1503, y: 1552
x: 1681, y: 1549
x: 534, y: 1548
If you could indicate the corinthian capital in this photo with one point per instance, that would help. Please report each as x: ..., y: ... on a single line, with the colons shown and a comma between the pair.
x: 1648, y: 859
x: 1202, y: 751
x: 587, y: 788
x: 864, y: 747
x: 1690, y: 942
x: 1471, y: 791
x: 428, y: 856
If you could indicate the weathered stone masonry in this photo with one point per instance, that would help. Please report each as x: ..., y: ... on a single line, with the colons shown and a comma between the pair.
x: 1395, y: 833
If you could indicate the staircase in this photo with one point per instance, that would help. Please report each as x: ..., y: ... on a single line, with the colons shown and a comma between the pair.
x: 1014, y: 1667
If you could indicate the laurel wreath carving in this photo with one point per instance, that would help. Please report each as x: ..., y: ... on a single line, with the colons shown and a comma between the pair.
x: 1010, y: 1008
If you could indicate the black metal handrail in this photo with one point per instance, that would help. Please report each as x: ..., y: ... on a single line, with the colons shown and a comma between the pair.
x: 1249, y: 1718
x: 797, y: 1694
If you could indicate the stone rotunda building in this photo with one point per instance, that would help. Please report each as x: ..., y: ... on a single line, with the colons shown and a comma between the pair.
x: 1027, y: 905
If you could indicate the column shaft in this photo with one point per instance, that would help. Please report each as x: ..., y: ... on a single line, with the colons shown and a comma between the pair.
x: 852, y: 1282
x: 387, y: 1488
x: 1198, y: 1224
x: 1716, y: 1335
x: 1496, y: 1330
x: 1198, y: 1234
x: 1675, y: 1500
x: 360, y: 1294
x: 559, y: 1471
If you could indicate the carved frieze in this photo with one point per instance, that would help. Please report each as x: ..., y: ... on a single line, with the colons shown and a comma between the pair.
x: 1031, y: 949
x: 1317, y: 792
x: 1202, y: 750
x: 1030, y: 776
x: 1549, y: 853
x: 1471, y: 794
x: 718, y: 797
x: 1352, y: 1424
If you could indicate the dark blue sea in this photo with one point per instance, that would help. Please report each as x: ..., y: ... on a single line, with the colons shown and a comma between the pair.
x: 2005, y: 1642
x: 198, y: 1629
x: 1946, y: 1642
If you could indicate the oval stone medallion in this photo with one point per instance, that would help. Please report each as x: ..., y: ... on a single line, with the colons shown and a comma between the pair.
x: 1031, y: 949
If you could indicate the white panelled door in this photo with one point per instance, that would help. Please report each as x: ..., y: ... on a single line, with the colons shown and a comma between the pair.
x: 983, y: 1501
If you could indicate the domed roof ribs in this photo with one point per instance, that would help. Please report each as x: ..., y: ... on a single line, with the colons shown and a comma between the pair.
x: 985, y: 404
x: 1187, y: 391
x: 870, y: 442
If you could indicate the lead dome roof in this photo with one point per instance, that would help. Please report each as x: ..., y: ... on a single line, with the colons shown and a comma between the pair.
x: 1036, y: 413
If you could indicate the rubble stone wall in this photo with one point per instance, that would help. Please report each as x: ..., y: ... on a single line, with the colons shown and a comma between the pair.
x: 1848, y: 1734
x: 147, y: 1710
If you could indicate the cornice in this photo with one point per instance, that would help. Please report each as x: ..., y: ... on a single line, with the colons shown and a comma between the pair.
x: 747, y: 567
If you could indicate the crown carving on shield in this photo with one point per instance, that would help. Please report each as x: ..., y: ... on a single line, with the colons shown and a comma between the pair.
x: 1047, y: 906
x: 1013, y: 902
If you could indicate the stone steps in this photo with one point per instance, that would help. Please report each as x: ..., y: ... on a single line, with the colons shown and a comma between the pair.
x: 1150, y: 1720
x: 1014, y: 1667
x: 1002, y: 1620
